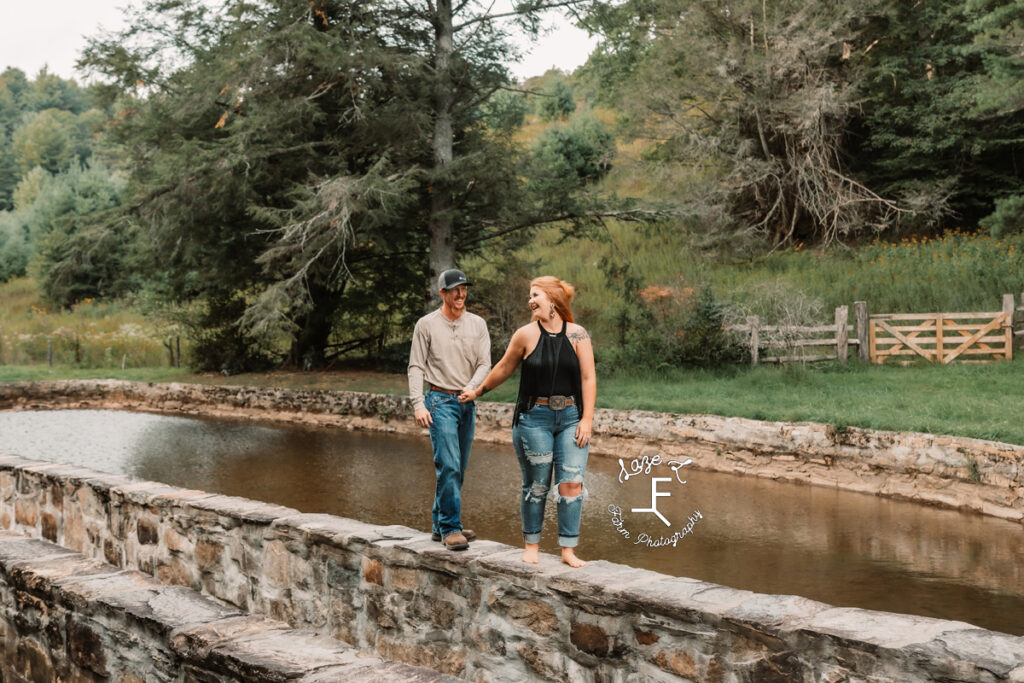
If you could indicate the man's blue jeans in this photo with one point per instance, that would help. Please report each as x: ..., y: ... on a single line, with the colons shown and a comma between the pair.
x: 545, y: 443
x: 451, y: 436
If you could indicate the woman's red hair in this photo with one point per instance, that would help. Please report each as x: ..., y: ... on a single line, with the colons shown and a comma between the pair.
x: 560, y: 293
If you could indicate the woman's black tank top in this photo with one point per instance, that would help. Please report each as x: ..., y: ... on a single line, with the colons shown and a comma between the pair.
x: 551, y: 369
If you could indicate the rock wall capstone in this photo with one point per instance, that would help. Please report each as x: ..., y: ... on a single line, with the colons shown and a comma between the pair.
x: 482, y: 614
x: 968, y: 474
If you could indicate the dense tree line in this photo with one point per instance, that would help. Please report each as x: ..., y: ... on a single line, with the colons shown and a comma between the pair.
x: 286, y: 177
x: 301, y: 170
x: 58, y: 181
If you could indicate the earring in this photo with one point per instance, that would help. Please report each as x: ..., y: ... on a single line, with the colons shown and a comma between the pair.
x: 551, y: 315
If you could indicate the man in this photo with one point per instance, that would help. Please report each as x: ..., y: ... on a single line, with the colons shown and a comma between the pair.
x: 451, y: 350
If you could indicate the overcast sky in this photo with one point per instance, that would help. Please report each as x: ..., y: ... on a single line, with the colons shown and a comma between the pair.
x: 53, y: 33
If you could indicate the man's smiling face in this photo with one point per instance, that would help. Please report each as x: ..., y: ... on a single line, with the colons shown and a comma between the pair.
x: 455, y: 298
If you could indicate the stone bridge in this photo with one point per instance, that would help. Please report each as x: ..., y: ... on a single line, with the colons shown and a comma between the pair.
x: 105, y: 577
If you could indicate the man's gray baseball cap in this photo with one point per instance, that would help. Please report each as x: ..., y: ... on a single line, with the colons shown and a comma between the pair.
x: 451, y: 278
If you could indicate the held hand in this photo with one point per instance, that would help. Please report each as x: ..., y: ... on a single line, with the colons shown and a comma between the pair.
x: 423, y: 418
x: 468, y: 394
x: 583, y: 433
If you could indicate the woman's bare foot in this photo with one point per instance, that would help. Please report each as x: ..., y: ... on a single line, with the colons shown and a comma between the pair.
x: 569, y: 557
x: 531, y: 553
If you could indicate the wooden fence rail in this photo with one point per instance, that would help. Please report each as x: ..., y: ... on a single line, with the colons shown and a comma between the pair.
x: 802, y: 343
x: 937, y: 337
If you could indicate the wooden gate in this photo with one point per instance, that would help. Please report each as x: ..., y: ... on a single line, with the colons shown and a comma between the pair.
x: 941, y: 337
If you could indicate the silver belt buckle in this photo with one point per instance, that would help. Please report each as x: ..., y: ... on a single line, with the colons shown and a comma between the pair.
x: 558, y: 402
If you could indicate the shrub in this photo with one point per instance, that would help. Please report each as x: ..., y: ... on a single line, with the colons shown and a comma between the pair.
x: 499, y: 294
x: 556, y: 101
x: 218, y: 341
x: 670, y: 327
x: 504, y: 111
x: 1008, y: 217
x: 573, y: 154
x: 783, y: 307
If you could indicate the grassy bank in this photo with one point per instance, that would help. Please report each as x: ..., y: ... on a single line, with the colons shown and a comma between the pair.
x: 956, y: 272
x: 962, y: 271
x: 981, y: 401
x: 99, y: 334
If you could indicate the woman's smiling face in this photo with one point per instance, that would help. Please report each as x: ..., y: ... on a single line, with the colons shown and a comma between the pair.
x: 540, y: 304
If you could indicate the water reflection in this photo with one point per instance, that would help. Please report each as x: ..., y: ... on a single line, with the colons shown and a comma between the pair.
x: 842, y: 548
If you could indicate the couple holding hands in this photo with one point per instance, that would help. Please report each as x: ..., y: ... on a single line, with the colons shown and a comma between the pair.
x: 554, y: 410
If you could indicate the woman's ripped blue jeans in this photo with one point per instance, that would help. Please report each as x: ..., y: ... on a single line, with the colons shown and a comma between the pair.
x: 545, y: 443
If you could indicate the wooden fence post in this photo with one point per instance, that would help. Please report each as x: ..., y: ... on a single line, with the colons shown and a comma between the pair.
x: 1009, y: 308
x: 1017, y: 333
x: 842, y: 334
x: 860, y: 312
x: 49, y: 352
x: 755, y: 338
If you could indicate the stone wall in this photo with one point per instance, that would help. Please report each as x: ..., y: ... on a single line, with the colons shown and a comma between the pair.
x: 66, y: 617
x: 969, y: 474
x: 482, y: 614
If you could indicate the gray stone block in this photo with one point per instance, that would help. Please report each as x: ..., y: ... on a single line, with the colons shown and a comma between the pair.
x: 971, y: 653
x: 15, y: 549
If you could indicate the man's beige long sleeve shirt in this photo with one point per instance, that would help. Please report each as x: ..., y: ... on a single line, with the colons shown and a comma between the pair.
x: 451, y: 354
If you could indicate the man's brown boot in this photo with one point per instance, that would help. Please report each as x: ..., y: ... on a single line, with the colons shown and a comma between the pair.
x: 468, y: 533
x: 456, y: 541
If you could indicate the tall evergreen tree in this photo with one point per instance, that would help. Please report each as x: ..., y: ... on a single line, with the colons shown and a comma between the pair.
x: 467, y: 45
x: 50, y: 91
x: 944, y: 119
x: 297, y: 163
x: 80, y: 245
x: 251, y: 124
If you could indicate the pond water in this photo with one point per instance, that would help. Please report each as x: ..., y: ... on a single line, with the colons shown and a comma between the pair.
x: 842, y: 548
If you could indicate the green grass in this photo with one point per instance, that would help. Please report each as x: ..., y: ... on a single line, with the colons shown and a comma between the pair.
x: 40, y: 373
x: 349, y: 380
x: 958, y: 272
x: 980, y: 401
x: 91, y: 334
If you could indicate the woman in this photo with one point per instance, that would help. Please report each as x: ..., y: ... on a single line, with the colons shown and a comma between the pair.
x: 554, y: 412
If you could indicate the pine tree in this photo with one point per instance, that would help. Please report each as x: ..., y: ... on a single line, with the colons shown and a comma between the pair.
x: 943, y: 120
x: 301, y: 167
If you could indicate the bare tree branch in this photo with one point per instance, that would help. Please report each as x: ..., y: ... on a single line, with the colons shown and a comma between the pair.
x: 516, y: 13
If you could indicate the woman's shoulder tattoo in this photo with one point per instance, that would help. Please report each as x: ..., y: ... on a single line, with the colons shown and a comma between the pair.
x: 578, y: 335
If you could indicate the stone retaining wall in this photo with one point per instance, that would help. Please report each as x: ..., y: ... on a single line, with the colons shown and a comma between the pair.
x: 482, y: 614
x: 66, y: 617
x: 969, y: 474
